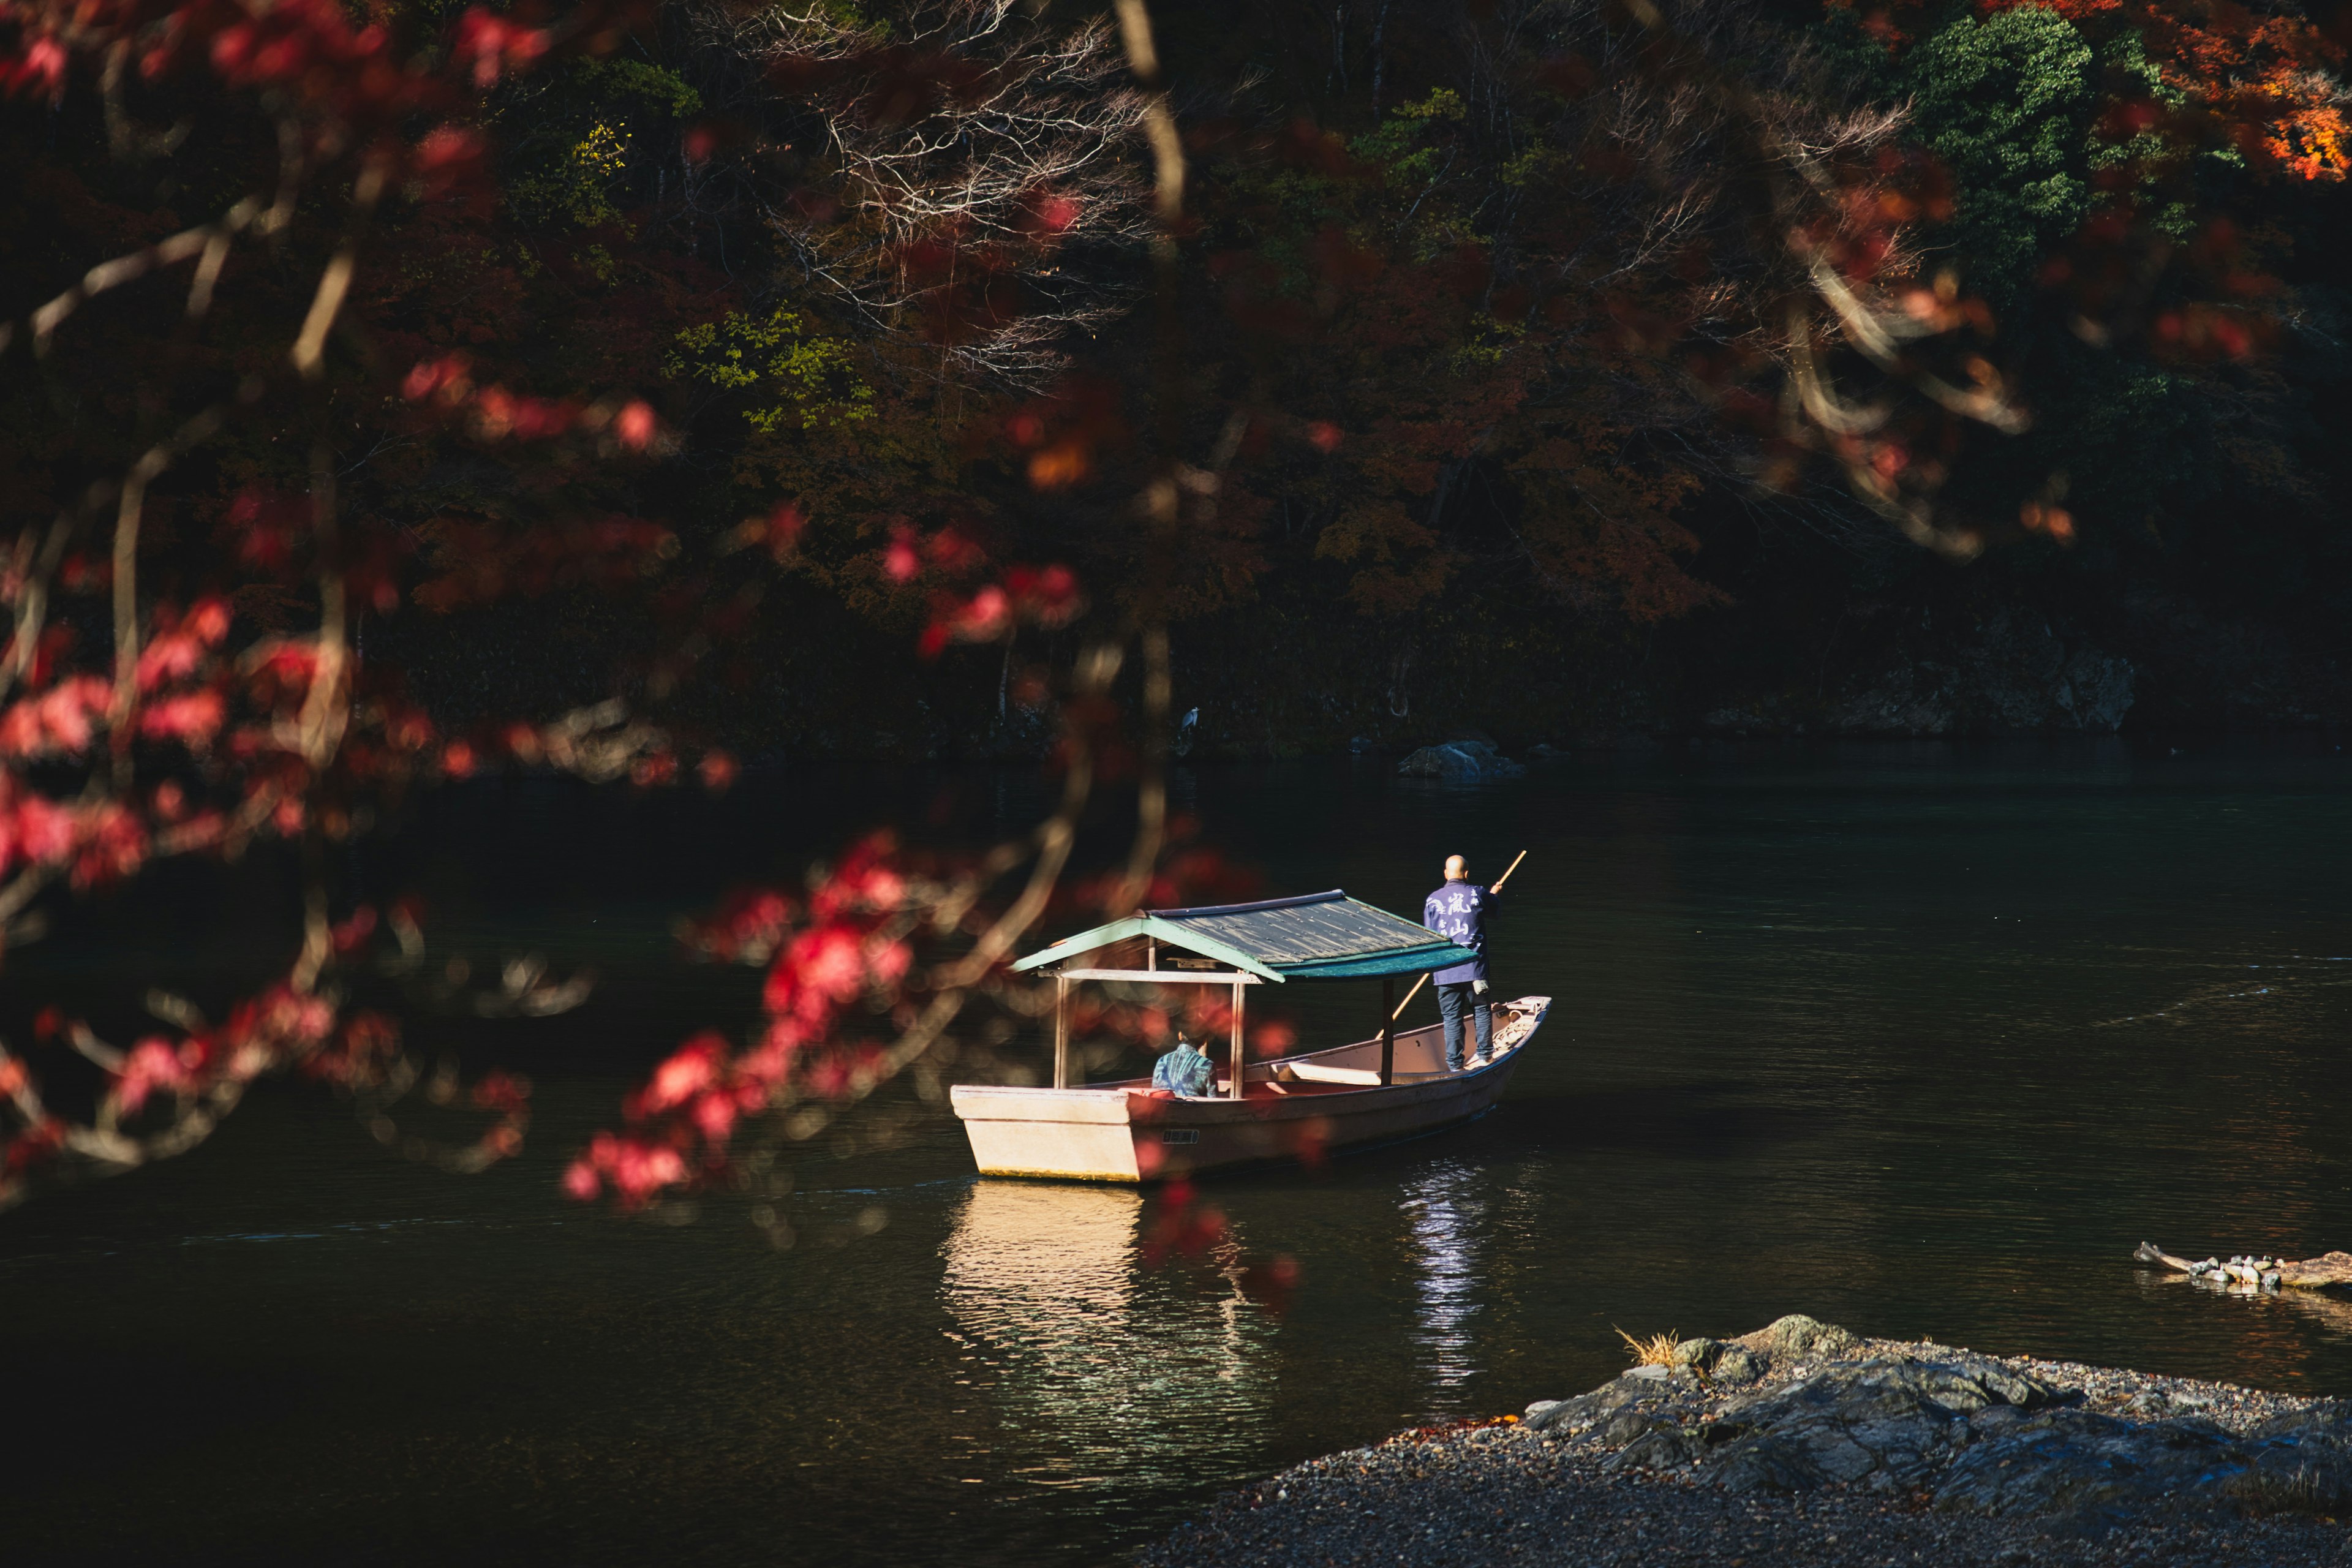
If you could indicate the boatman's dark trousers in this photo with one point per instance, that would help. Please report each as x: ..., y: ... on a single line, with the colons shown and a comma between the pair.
x: 1452, y: 1001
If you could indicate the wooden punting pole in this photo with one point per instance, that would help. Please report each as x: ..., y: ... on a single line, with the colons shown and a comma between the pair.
x: 1398, y: 1011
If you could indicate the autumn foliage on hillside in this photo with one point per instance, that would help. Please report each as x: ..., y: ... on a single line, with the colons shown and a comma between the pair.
x: 2261, y: 82
x: 607, y: 329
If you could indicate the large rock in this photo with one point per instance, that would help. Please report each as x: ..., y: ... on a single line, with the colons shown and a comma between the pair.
x: 1587, y: 1410
x: 1660, y: 1444
x: 1736, y: 1365
x: 1798, y: 1337
x: 1886, y: 1424
x: 1460, y: 761
x: 1700, y: 1352
x: 1969, y: 1433
x: 2021, y: 675
x: 2075, y: 1462
x: 2303, y: 1462
x: 2099, y: 1468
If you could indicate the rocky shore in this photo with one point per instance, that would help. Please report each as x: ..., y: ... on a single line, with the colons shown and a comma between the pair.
x: 1804, y: 1444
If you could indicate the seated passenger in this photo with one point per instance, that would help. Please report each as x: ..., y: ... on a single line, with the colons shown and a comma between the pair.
x: 1184, y: 1070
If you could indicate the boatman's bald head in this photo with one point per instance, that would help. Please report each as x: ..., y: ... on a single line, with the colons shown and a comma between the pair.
x: 1457, y: 869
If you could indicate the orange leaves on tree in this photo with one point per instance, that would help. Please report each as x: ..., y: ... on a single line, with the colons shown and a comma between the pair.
x: 2266, y: 78
x: 1063, y: 436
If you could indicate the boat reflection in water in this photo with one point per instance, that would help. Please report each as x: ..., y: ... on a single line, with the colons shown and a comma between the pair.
x: 1445, y: 1212
x: 1105, y: 1373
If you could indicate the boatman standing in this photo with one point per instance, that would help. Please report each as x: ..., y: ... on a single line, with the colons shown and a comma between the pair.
x: 1458, y: 911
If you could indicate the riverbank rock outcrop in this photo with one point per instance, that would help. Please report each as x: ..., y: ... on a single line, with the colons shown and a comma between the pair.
x: 1966, y: 1432
x: 1805, y: 1442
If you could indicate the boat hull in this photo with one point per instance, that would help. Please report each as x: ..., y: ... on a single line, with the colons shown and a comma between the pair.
x: 1298, y: 1107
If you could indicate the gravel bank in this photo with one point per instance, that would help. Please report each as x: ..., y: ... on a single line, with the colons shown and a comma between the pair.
x: 1817, y: 1447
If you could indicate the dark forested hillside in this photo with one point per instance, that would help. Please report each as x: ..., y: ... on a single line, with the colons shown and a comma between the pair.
x: 2141, y: 207
x: 1551, y: 368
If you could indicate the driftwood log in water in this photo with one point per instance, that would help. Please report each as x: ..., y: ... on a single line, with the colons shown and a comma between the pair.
x: 2328, y: 1270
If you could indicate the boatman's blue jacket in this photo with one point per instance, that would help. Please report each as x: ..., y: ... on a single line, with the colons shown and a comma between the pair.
x: 1457, y: 911
x: 1184, y: 1070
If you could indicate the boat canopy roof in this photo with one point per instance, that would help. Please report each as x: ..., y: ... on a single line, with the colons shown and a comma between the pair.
x: 1314, y: 936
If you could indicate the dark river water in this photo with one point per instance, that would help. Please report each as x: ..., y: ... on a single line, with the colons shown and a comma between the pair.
x: 1921, y: 1040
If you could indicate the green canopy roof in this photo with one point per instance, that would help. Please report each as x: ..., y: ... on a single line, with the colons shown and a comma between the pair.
x: 1315, y: 936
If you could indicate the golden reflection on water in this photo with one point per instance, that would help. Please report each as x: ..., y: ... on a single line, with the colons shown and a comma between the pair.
x: 1445, y: 1212
x: 1100, y: 1370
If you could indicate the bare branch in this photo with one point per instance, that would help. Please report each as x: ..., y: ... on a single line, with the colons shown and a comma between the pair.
x: 1013, y: 172
x: 310, y: 347
x: 199, y: 241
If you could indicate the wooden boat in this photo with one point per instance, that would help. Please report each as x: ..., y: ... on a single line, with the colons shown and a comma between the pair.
x: 1301, y: 1107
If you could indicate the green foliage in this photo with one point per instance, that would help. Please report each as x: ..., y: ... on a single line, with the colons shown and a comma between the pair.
x: 2124, y: 59
x: 1534, y: 164
x: 1402, y: 145
x: 576, y: 188
x: 649, y: 86
x: 797, y: 380
x: 2180, y: 470
x: 575, y: 138
x: 2006, y: 102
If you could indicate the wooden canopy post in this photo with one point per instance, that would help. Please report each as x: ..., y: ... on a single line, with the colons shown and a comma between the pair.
x: 1238, y: 994
x: 1388, y: 1028
x: 1061, y: 1031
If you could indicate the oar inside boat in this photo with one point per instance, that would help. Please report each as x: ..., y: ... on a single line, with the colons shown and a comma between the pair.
x: 1386, y: 1087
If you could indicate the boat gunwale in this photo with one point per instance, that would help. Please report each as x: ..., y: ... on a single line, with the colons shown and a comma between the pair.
x: 1208, y: 1109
